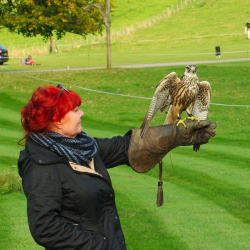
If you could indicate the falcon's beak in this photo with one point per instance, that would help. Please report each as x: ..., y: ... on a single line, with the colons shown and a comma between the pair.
x: 193, y: 69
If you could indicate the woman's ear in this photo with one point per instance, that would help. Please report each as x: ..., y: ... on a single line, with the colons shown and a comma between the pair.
x: 55, y: 126
x: 58, y: 124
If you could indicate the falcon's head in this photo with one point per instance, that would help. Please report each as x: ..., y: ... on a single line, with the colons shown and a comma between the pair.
x: 191, y: 69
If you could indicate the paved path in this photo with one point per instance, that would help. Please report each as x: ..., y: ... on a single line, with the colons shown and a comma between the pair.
x: 130, y: 66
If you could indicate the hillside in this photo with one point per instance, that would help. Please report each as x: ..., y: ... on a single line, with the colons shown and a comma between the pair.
x: 144, y: 32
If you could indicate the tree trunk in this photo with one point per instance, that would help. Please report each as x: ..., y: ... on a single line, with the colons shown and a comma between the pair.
x: 107, y: 23
x: 108, y: 47
x: 50, y: 44
x: 105, y: 15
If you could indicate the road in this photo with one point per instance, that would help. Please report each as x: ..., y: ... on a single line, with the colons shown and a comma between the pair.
x: 129, y: 66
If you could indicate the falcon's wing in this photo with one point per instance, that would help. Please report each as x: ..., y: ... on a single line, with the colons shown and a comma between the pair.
x: 160, y: 100
x: 202, y: 102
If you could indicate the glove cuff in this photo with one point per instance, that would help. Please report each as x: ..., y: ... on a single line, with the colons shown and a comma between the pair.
x: 146, y: 152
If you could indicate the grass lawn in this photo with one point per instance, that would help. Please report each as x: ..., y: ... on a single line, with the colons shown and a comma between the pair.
x: 206, y: 193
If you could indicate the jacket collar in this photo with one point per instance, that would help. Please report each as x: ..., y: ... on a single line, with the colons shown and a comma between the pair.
x: 83, y: 169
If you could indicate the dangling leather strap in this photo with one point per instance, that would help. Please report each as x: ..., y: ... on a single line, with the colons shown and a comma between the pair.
x: 160, y: 200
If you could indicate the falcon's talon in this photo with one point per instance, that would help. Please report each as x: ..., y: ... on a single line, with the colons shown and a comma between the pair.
x: 193, y: 118
x: 181, y: 122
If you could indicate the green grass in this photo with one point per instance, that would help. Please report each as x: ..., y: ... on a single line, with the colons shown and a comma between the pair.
x: 129, y: 12
x: 190, y: 34
x: 14, y: 228
x: 206, y: 193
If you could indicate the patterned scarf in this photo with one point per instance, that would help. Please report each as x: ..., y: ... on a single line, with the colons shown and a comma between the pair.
x: 80, y: 149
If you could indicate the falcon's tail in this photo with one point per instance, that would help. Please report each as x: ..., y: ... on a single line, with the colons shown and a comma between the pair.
x: 169, y: 118
x: 152, y: 109
x: 144, y: 126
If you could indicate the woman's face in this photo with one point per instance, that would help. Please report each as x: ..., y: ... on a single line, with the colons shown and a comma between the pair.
x: 71, y: 123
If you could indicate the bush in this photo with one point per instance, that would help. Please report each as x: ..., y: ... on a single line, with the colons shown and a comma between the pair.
x: 10, y: 182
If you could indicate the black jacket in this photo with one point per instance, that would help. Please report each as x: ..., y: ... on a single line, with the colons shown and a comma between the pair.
x: 69, y: 208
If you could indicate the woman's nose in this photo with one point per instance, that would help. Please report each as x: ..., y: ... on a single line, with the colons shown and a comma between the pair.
x: 81, y: 113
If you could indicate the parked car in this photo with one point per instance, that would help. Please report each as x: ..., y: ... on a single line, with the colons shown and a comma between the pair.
x: 4, y: 57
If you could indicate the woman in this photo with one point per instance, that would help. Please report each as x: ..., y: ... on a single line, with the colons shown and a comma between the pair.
x: 70, y: 199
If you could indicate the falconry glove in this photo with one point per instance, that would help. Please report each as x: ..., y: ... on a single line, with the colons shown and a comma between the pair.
x: 146, y: 152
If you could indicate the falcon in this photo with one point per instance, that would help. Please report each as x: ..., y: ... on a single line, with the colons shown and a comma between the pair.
x: 178, y: 95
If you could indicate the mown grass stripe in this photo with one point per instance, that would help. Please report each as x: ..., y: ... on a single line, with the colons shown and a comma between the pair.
x: 10, y: 106
x: 11, y: 133
x: 236, y: 158
x: 10, y: 124
x: 224, y: 172
x: 196, y: 223
x: 130, y: 188
x: 216, y: 160
x: 214, y: 148
x: 234, y: 199
x: 9, y: 151
x: 15, y: 216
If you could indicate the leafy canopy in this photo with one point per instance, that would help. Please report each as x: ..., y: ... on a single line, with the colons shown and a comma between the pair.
x: 43, y: 17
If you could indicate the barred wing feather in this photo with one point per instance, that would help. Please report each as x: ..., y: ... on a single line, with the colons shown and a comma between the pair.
x: 202, y: 102
x: 160, y: 100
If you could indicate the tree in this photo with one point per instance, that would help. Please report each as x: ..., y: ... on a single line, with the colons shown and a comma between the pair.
x: 105, y: 15
x: 45, y: 17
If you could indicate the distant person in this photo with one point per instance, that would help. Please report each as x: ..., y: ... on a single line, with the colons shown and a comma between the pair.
x: 70, y: 199
x: 28, y: 61
x: 247, y: 29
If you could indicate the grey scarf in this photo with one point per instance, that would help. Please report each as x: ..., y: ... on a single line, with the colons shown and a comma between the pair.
x: 80, y: 149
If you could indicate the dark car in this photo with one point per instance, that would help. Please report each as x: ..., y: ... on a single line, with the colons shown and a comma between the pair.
x: 4, y: 57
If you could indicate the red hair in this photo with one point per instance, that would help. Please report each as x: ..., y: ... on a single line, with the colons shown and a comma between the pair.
x: 45, y: 106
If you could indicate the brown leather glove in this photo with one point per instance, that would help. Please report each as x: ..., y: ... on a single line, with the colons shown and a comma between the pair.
x: 145, y: 153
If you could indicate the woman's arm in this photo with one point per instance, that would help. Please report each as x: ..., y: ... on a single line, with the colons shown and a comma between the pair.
x: 114, y: 151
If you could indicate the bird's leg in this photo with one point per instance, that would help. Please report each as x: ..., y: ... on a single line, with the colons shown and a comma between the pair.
x: 192, y: 118
x: 181, y: 121
x: 189, y: 113
x: 196, y: 147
